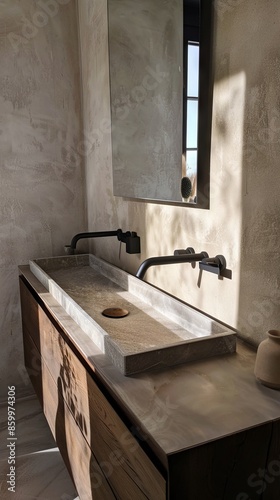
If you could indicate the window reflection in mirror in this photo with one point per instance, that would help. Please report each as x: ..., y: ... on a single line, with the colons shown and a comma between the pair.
x: 197, y: 101
x: 190, y: 100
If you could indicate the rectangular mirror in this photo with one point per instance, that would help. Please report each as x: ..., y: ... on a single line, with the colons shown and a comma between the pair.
x: 161, y: 99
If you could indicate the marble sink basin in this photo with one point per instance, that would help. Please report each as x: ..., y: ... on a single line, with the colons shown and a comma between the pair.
x: 159, y: 329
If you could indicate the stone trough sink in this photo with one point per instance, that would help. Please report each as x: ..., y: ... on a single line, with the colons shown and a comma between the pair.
x: 159, y: 329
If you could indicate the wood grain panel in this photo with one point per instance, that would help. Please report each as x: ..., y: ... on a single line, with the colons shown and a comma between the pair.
x: 88, y: 478
x: 126, y: 466
x: 29, y: 313
x: 128, y: 469
x: 33, y: 364
x: 270, y: 483
x: 224, y: 469
x: 78, y: 458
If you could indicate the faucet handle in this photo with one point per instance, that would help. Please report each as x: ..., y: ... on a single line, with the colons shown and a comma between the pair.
x: 188, y: 251
x: 216, y: 265
x: 131, y: 240
x: 132, y: 244
x: 182, y: 251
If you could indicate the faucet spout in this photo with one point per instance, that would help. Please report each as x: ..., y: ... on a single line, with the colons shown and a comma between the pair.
x: 131, y: 240
x: 96, y: 234
x: 169, y: 259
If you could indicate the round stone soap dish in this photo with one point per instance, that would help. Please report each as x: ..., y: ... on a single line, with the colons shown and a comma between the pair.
x: 115, y: 312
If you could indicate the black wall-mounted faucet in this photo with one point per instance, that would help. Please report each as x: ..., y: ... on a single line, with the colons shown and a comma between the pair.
x: 131, y: 240
x: 215, y: 265
x: 177, y: 258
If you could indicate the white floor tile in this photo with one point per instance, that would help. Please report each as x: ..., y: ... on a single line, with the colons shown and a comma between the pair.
x: 40, y: 470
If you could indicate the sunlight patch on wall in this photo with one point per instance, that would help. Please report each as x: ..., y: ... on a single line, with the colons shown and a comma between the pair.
x: 227, y: 171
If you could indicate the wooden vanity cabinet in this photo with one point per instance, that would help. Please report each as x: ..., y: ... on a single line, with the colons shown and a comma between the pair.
x: 103, y: 456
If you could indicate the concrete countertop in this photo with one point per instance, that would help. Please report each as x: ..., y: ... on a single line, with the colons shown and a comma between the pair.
x: 180, y: 407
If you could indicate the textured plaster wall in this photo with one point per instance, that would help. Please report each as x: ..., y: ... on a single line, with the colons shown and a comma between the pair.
x: 243, y: 221
x: 41, y: 177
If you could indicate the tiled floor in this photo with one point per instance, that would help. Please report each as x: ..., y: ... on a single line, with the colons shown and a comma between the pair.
x: 40, y: 471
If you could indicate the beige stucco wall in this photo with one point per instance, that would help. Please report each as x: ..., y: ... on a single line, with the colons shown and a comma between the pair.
x: 243, y: 222
x: 41, y: 177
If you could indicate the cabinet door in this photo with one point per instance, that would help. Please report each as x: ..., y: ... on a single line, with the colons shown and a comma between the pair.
x: 125, y: 465
x: 127, y: 468
x: 29, y: 314
x: 82, y: 466
x: 242, y: 466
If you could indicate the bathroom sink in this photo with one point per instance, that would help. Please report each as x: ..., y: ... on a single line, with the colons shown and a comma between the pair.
x: 158, y: 329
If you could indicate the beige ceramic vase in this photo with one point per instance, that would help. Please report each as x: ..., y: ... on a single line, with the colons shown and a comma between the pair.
x: 267, y: 367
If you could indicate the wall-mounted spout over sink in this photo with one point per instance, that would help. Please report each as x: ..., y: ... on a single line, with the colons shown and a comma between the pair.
x: 215, y: 265
x: 131, y: 240
x: 177, y: 258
